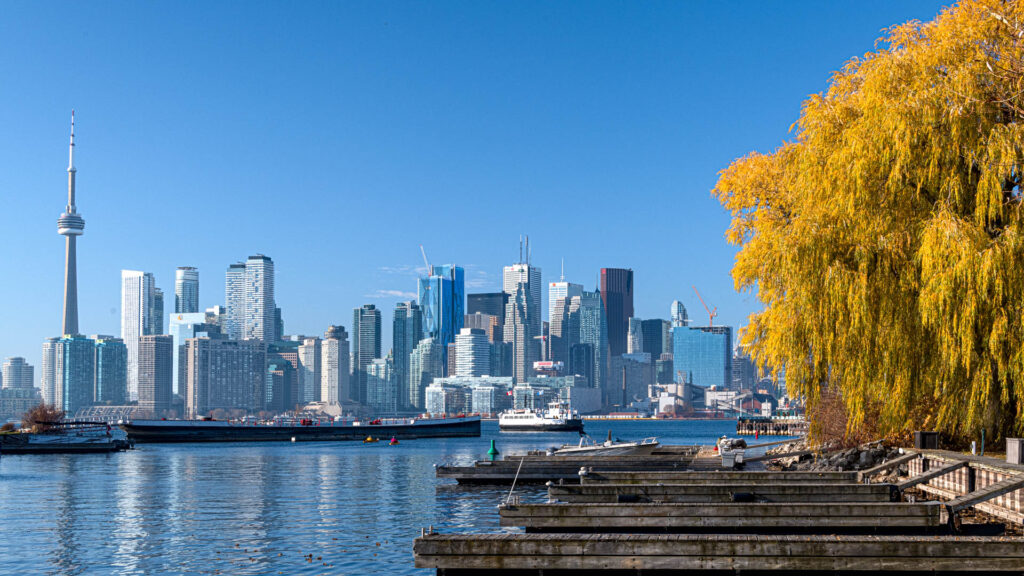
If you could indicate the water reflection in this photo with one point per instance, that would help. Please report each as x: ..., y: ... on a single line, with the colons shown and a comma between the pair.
x: 304, y: 508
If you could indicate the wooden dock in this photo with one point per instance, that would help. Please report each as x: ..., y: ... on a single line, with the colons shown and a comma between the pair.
x: 764, y: 491
x: 564, y: 554
x: 724, y: 478
x: 747, y: 518
x: 658, y: 515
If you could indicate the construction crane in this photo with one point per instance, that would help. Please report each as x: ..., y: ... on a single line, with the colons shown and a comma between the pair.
x: 425, y: 261
x: 711, y: 312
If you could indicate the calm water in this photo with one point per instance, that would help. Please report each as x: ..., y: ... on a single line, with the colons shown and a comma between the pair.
x: 261, y: 508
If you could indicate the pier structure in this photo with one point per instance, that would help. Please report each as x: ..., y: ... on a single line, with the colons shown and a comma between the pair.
x: 654, y: 520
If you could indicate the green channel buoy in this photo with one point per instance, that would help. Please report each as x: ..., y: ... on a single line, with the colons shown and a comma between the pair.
x: 493, y: 451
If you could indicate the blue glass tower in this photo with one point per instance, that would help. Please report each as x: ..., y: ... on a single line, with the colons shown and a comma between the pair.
x: 442, y: 296
x: 702, y: 355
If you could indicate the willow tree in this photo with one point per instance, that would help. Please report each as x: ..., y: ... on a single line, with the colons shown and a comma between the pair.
x: 885, y: 240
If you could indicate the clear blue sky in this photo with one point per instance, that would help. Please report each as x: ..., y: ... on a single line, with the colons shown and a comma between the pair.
x: 336, y: 137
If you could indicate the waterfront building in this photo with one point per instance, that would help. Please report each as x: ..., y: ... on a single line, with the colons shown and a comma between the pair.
x: 15, y: 402
x: 617, y: 299
x: 481, y: 394
x: 48, y: 367
x: 442, y: 296
x: 17, y: 373
x: 677, y: 314
x: 407, y: 331
x: 581, y: 361
x: 334, y: 367
x: 451, y: 360
x: 310, y: 372
x: 365, y: 347
x: 381, y: 388
x: 442, y: 398
x: 224, y: 374
x: 155, y: 373
x: 70, y: 225
x: 472, y: 353
x: 491, y: 325
x: 110, y: 382
x: 523, y: 322
x: 492, y: 304
x: 181, y: 327
x: 137, y: 306
x: 259, y: 320
x: 663, y: 369
x: 424, y: 367
x: 75, y: 370
x: 634, y: 336
x: 702, y: 355
x: 234, y: 300
x: 186, y: 290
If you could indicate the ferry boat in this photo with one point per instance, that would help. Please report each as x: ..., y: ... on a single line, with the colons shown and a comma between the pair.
x: 556, y: 418
x: 66, y: 438
x: 301, y: 430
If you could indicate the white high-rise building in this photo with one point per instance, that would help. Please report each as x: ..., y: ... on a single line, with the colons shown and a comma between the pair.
x: 48, y: 378
x: 523, y: 323
x: 234, y: 301
x: 334, y: 371
x: 258, y: 321
x: 17, y: 373
x: 472, y: 353
x: 309, y: 370
x: 137, y: 304
x: 559, y: 290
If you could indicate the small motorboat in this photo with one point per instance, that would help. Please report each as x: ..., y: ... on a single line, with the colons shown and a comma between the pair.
x: 393, y: 442
x: 588, y: 447
x: 370, y: 440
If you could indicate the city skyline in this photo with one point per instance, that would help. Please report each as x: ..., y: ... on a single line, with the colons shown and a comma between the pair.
x: 673, y: 228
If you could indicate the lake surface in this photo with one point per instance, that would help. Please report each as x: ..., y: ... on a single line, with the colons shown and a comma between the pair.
x: 263, y: 508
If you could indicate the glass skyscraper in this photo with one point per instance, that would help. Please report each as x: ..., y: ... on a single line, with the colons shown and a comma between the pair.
x: 186, y: 290
x: 702, y: 355
x: 442, y: 297
x: 407, y: 331
x: 111, y: 379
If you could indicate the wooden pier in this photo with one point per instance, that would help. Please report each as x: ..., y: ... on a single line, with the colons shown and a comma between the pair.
x: 658, y: 515
x: 746, y: 518
x: 647, y: 554
x: 765, y: 491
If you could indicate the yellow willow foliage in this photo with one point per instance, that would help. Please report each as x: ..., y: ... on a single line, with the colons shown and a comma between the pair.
x: 885, y: 241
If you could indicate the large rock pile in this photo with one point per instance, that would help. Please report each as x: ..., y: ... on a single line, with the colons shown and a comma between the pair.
x: 860, y: 458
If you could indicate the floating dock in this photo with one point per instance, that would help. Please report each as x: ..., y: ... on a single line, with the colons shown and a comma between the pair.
x: 676, y: 520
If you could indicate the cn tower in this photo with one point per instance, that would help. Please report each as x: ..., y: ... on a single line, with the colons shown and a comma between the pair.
x: 70, y: 225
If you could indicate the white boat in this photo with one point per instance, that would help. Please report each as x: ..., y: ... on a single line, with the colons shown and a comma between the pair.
x: 589, y: 447
x: 556, y: 418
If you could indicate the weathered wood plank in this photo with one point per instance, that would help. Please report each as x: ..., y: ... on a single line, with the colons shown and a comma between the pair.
x: 987, y: 493
x: 931, y: 474
x: 719, y: 552
x: 706, y: 493
x: 721, y: 478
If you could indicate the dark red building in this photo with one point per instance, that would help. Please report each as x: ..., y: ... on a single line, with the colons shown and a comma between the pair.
x: 617, y: 300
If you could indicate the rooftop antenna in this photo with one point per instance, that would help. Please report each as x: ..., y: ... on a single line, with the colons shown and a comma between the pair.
x: 520, y: 248
x: 527, y: 249
x: 562, y: 279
